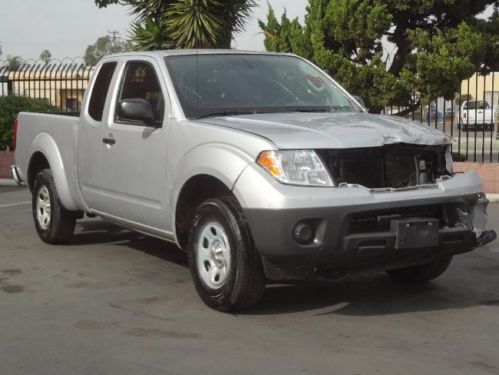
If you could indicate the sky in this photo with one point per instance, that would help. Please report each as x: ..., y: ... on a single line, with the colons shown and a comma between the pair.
x: 67, y: 27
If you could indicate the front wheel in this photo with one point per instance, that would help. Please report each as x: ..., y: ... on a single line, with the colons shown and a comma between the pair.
x: 54, y: 224
x: 225, y: 266
x: 421, y: 273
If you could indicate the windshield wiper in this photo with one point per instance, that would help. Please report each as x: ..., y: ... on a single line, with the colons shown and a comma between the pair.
x: 225, y: 113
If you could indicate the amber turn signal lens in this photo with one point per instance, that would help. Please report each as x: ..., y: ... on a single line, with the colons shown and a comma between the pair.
x: 269, y: 161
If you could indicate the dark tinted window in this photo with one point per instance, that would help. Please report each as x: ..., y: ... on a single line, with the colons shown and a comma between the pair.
x: 141, y: 82
x: 99, y: 93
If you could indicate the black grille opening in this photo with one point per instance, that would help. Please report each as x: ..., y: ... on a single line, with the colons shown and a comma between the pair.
x: 390, y: 166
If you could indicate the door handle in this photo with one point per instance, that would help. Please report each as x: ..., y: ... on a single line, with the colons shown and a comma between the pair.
x: 109, y: 140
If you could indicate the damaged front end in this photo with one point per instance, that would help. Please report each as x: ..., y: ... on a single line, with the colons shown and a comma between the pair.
x: 396, y: 167
x: 459, y: 225
x: 392, y: 166
x: 476, y: 220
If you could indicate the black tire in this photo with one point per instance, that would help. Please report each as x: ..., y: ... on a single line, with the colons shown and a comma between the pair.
x: 422, y: 273
x: 243, y: 282
x: 58, y: 227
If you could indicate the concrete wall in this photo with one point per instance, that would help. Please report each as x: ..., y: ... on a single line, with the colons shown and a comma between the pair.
x: 482, y: 87
x: 489, y: 172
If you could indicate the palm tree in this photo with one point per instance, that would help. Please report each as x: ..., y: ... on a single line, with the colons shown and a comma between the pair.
x: 149, y: 34
x: 164, y: 24
x: 207, y: 23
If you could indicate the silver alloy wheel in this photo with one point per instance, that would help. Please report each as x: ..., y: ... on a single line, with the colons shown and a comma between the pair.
x: 213, y: 255
x: 43, y: 208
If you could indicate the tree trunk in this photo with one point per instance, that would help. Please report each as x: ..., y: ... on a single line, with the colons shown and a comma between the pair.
x: 225, y: 39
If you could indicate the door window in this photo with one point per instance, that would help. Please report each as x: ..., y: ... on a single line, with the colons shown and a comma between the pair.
x: 141, y: 82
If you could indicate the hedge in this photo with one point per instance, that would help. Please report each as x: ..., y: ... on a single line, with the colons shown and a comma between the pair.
x: 10, y: 106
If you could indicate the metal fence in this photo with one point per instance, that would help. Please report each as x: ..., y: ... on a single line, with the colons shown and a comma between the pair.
x: 62, y: 85
x: 470, y: 119
x: 473, y: 131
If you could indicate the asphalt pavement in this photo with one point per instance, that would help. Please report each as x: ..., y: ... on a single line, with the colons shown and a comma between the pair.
x: 117, y: 302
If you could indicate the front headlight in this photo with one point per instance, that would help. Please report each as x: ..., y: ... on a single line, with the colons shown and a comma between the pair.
x: 296, y: 167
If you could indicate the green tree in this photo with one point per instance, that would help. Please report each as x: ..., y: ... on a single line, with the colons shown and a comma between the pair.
x: 45, y: 56
x: 185, y: 23
x: 436, y: 44
x: 104, y: 45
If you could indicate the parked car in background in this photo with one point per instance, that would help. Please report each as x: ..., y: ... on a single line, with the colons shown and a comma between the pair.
x: 449, y: 114
x: 476, y: 114
x: 259, y: 165
x: 434, y: 115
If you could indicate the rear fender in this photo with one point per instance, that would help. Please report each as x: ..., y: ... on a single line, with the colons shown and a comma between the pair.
x: 47, y: 146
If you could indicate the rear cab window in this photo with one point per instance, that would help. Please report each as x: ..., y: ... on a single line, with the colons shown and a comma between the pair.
x: 100, y: 90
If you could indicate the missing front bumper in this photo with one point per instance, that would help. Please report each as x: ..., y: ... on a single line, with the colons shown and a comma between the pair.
x: 348, y: 239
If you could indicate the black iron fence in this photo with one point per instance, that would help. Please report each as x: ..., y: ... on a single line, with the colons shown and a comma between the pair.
x: 470, y: 119
x: 62, y: 85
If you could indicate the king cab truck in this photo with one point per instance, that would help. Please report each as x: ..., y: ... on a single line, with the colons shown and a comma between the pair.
x: 259, y: 165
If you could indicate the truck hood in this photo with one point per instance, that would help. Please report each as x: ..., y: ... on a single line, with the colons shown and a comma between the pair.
x: 331, y: 130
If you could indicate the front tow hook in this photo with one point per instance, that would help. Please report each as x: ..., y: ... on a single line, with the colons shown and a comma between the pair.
x: 487, y: 237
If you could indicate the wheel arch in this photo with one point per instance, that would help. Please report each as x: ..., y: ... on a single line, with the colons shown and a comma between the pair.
x: 194, y: 191
x: 204, y: 172
x: 46, y: 154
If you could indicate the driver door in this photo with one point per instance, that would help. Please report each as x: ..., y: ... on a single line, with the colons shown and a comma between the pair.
x: 133, y: 152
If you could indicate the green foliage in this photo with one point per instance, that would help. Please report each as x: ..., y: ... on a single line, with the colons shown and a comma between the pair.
x: 148, y: 35
x: 10, y: 106
x: 104, y: 45
x: 161, y: 24
x: 435, y: 45
x: 195, y: 24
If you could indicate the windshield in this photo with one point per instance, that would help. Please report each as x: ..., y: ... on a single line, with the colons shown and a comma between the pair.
x: 230, y: 84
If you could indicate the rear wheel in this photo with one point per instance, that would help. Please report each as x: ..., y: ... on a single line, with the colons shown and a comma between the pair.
x: 54, y: 224
x: 421, y: 273
x: 225, y: 266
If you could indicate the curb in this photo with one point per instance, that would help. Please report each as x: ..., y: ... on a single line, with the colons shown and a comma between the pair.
x: 7, y: 182
x: 493, y: 198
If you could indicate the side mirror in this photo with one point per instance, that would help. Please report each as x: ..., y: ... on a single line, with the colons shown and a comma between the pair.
x: 135, y: 110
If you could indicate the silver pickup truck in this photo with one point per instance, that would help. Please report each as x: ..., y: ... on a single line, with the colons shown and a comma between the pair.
x: 259, y: 165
